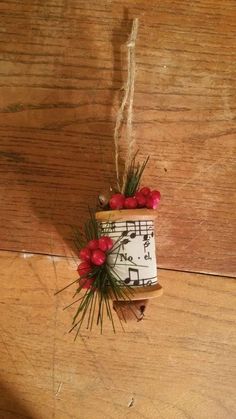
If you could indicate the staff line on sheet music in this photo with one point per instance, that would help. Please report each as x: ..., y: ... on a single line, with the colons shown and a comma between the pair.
x: 130, y: 230
x: 140, y: 232
x: 114, y: 235
x: 124, y: 226
x: 124, y: 223
x: 140, y: 226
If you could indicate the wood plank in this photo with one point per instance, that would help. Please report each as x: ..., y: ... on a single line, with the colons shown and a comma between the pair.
x: 177, y: 363
x: 62, y: 66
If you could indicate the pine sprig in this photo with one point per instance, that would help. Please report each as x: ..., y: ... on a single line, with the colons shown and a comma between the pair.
x: 95, y: 302
x: 98, y: 298
x: 134, y: 175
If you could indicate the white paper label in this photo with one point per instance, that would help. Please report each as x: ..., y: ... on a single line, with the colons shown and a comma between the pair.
x: 133, y: 257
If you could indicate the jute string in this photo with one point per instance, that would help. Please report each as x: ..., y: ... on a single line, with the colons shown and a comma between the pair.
x: 127, y: 102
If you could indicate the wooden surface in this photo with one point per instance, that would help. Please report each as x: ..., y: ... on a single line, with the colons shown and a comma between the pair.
x: 62, y: 65
x: 178, y: 363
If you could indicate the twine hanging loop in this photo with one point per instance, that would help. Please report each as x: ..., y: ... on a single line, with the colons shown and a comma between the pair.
x: 127, y: 103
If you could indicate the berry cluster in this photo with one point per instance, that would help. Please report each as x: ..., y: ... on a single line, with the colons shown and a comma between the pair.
x: 145, y: 198
x: 94, y: 254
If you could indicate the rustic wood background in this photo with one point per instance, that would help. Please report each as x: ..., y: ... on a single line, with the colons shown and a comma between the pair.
x: 62, y: 68
x: 178, y: 363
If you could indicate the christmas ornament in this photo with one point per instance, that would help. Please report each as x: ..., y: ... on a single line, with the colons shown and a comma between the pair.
x: 118, y: 271
x: 132, y: 226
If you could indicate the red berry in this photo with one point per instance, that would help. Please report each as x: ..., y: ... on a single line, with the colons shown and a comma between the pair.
x: 98, y: 257
x: 84, y: 268
x: 141, y: 199
x: 130, y: 203
x: 145, y: 191
x: 85, y: 254
x: 152, y: 203
x: 102, y: 243
x: 109, y: 242
x: 117, y: 201
x: 86, y: 282
x: 93, y: 244
x: 105, y: 243
x: 156, y: 195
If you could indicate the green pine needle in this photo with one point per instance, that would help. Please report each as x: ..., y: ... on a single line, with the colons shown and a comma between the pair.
x: 107, y: 284
x: 134, y: 175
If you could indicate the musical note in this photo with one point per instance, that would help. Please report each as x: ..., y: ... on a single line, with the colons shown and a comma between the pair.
x: 130, y: 228
x: 133, y: 228
x: 123, y: 242
x: 133, y: 276
x: 150, y: 229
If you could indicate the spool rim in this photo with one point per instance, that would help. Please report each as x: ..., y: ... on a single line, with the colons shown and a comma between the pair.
x: 125, y: 214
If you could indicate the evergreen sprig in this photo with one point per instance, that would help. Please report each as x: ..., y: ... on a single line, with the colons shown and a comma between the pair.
x: 134, y: 175
x: 106, y: 286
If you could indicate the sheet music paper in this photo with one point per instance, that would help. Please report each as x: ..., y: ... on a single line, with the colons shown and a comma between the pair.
x: 133, y: 257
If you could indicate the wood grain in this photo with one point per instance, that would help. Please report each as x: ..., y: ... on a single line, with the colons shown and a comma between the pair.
x: 62, y: 65
x: 179, y: 362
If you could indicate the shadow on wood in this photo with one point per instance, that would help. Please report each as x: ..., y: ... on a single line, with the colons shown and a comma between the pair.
x: 12, y: 406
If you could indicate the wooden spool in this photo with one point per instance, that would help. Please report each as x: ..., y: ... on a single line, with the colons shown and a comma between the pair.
x: 135, y: 232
